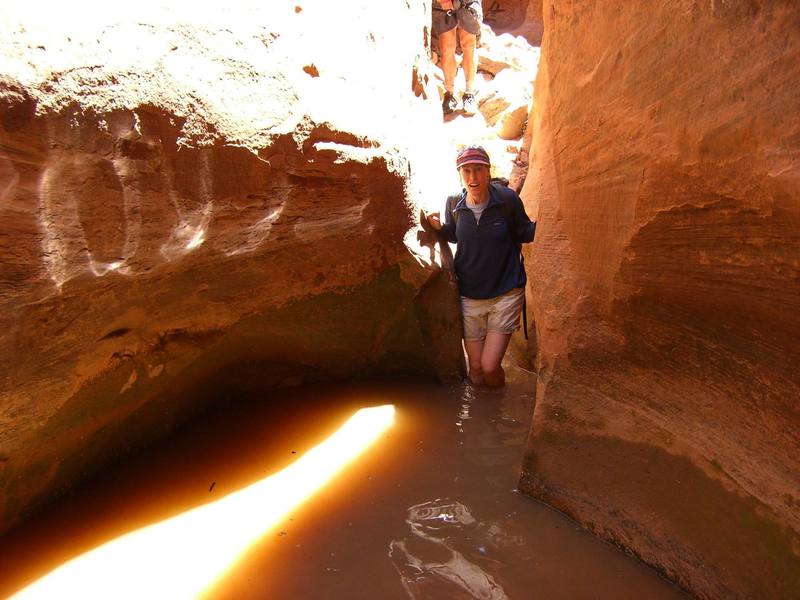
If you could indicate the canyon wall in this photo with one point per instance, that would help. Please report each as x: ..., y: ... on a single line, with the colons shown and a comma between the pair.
x: 185, y: 192
x: 665, y: 177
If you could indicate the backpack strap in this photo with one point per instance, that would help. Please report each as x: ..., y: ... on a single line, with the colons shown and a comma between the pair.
x: 501, y: 185
x: 450, y: 206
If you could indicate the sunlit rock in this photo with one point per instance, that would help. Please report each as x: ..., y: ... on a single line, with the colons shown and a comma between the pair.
x: 180, y: 192
x: 512, y: 122
x: 506, y: 51
x: 506, y: 102
x: 664, y: 281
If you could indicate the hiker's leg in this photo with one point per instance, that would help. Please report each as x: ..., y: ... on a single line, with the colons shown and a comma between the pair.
x: 470, y: 17
x: 469, y: 61
x: 447, y: 51
x: 494, y: 348
x: 475, y: 315
x: 502, y: 321
x: 474, y: 350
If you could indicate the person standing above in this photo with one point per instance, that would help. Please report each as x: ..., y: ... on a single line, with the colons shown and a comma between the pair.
x: 488, y: 223
x: 462, y: 18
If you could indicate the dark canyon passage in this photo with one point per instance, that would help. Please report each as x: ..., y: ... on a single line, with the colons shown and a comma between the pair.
x: 429, y: 511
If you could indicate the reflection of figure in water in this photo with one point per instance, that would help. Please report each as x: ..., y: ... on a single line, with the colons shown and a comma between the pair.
x: 429, y: 565
x: 464, y: 17
x: 488, y: 223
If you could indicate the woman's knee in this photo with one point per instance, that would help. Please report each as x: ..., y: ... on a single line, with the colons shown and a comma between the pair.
x: 490, y: 364
x: 475, y: 364
x: 447, y: 42
x: 467, y: 40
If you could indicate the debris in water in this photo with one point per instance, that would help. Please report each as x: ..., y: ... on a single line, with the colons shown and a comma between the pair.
x: 213, y: 483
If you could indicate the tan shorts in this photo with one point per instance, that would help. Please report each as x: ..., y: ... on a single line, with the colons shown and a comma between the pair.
x: 500, y: 314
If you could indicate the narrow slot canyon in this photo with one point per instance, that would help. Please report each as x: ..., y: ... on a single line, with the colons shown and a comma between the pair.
x: 233, y: 364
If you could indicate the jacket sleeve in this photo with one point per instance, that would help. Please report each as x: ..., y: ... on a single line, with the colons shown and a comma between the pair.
x: 524, y: 228
x: 448, y: 230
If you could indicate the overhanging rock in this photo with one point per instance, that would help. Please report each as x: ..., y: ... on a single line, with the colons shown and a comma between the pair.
x: 182, y: 193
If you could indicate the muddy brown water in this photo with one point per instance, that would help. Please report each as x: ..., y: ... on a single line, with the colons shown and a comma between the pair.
x: 430, y: 511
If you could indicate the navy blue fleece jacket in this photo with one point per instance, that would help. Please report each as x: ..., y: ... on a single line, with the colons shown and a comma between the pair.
x: 487, y: 258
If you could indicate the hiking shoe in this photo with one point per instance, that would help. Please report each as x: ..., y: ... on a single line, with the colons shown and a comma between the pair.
x: 469, y: 103
x: 449, y: 103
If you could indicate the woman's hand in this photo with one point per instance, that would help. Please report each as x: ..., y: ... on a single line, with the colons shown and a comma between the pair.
x: 434, y: 220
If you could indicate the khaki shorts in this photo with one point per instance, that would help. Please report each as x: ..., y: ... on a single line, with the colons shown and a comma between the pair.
x: 500, y: 314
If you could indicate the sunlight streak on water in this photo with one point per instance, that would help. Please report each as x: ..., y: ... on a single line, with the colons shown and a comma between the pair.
x: 182, y: 556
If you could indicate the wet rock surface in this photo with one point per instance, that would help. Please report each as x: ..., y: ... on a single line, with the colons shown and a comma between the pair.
x: 664, y: 177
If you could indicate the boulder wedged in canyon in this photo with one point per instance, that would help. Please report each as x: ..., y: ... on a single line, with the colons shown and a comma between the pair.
x: 665, y: 176
x: 183, y: 194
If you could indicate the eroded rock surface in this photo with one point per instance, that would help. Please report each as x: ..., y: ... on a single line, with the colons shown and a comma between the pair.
x: 185, y: 192
x: 665, y: 176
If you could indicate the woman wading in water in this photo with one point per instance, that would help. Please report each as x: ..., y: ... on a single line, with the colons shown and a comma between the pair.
x: 488, y: 223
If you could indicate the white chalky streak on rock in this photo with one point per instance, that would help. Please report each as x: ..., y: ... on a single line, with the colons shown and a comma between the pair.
x: 257, y: 233
x: 8, y: 180
x: 60, y: 224
x: 131, y: 198
x: 101, y: 268
x: 205, y: 193
x: 52, y: 253
x: 190, y: 232
x: 340, y: 219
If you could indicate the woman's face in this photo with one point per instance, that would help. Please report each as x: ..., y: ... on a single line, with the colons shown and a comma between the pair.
x: 476, y: 181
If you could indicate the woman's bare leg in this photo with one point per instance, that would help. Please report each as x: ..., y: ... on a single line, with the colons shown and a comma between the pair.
x: 468, y: 42
x: 474, y: 350
x: 447, y: 51
x: 494, y: 348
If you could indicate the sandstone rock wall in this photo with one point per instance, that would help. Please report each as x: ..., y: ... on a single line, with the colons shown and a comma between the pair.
x: 182, y: 192
x: 665, y: 175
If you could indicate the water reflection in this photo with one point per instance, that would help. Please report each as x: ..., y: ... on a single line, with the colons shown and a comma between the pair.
x: 467, y: 397
x: 182, y: 556
x: 429, y: 564
x: 450, y: 553
x: 430, y: 513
